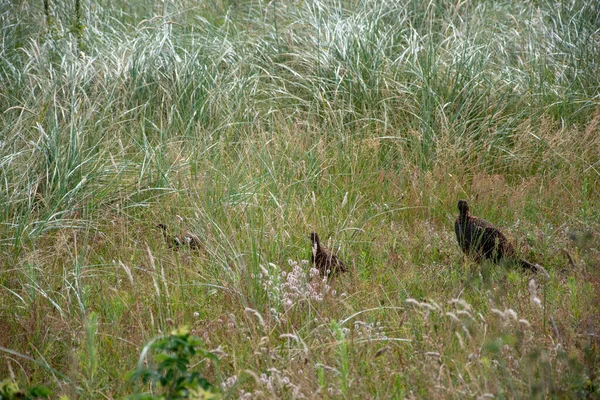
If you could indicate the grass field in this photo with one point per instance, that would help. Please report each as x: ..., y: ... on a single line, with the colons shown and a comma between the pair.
x: 253, y: 123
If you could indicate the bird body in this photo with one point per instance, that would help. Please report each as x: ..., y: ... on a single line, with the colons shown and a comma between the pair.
x: 323, y: 259
x: 185, y: 240
x: 480, y: 239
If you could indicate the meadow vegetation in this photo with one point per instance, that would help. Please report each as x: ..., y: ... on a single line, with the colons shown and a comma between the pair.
x: 253, y: 123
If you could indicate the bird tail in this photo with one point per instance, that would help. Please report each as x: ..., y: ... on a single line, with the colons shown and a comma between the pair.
x: 534, y: 267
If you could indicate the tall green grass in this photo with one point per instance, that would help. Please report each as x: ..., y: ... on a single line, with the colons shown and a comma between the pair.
x: 252, y: 123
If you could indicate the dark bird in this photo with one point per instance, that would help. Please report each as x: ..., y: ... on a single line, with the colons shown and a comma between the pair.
x: 323, y: 259
x: 480, y: 239
x: 186, y: 240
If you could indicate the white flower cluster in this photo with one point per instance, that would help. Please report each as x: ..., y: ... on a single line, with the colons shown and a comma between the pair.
x: 275, y: 384
x: 369, y: 331
x: 298, y: 285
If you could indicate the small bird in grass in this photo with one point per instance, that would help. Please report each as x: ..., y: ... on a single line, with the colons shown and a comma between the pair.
x: 186, y: 240
x: 480, y: 239
x: 323, y: 259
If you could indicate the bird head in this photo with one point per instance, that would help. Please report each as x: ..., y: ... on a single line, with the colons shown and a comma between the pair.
x: 162, y: 226
x: 463, y: 207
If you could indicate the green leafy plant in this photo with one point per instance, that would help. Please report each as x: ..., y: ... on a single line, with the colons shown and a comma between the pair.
x: 171, y: 373
x: 10, y: 390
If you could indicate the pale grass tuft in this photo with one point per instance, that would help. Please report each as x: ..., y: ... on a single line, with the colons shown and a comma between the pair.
x: 461, y: 343
x: 461, y: 303
x: 127, y: 271
x: 466, y: 331
x: 452, y: 316
x: 464, y: 313
x: 525, y: 323
x: 153, y: 265
x: 511, y: 313
x: 257, y: 315
x: 533, y: 294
